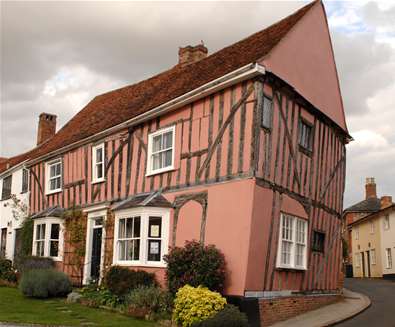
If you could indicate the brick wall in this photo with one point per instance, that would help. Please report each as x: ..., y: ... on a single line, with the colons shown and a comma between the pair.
x: 278, y: 309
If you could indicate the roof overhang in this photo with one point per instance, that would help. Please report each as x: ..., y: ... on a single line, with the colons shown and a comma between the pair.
x: 239, y: 75
x: 12, y: 169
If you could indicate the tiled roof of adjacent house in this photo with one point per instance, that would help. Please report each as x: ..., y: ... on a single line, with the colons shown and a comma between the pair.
x: 373, y: 215
x: 368, y: 205
x: 112, y: 108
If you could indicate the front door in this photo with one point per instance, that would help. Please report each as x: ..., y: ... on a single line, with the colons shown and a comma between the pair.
x: 363, y: 264
x: 96, y: 249
x: 368, y: 263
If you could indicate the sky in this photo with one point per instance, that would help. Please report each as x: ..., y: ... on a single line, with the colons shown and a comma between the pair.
x: 56, y: 56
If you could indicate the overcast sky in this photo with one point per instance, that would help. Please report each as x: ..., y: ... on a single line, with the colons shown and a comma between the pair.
x: 56, y: 56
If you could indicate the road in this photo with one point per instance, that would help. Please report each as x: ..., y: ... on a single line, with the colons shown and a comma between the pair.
x: 382, y: 311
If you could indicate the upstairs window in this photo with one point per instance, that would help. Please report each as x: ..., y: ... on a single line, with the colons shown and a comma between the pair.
x: 292, y: 243
x: 387, y: 222
x: 6, y: 191
x: 54, y: 176
x: 98, y: 163
x: 318, y: 242
x: 372, y: 227
x: 25, y: 180
x: 161, y: 151
x: 267, y: 112
x: 306, y: 135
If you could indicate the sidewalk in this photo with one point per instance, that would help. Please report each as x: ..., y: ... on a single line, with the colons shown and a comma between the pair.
x: 329, y: 315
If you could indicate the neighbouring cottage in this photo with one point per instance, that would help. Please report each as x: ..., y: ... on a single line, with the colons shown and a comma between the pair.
x: 244, y: 149
x: 371, y: 234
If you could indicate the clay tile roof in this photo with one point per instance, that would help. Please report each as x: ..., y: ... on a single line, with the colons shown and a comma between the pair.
x: 55, y: 211
x: 117, y: 106
x: 368, y: 205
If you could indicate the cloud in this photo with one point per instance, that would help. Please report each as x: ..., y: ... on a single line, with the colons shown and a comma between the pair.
x: 56, y: 56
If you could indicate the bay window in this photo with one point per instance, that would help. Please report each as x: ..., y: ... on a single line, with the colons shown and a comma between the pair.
x: 161, y: 151
x: 48, y: 238
x: 292, y: 247
x: 141, y: 236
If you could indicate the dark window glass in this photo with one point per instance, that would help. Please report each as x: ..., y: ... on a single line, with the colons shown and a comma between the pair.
x: 25, y: 180
x: 3, y: 241
x: 267, y: 110
x: 55, y: 231
x: 6, y: 191
x: 154, y: 227
x: 318, y: 241
x: 305, y: 136
x: 154, y: 250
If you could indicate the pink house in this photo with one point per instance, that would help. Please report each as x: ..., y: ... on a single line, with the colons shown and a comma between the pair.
x: 244, y: 149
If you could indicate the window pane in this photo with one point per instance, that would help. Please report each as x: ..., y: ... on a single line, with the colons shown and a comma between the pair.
x: 154, y: 250
x: 167, y: 158
x: 57, y: 169
x: 136, y: 249
x: 129, y: 228
x: 267, y: 113
x: 136, y: 231
x: 299, y: 255
x: 167, y: 140
x: 99, y: 170
x: 54, y: 249
x: 154, y: 227
x: 121, y: 229
x: 52, y: 170
x: 55, y: 231
x: 156, y: 143
x: 122, y: 250
x: 99, y: 155
x: 286, y: 253
x: 156, y: 161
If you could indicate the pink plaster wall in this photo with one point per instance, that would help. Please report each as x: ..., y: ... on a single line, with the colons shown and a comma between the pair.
x: 304, y: 59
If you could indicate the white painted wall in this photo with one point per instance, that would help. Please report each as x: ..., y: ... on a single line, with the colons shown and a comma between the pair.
x: 6, y: 217
x: 388, y: 241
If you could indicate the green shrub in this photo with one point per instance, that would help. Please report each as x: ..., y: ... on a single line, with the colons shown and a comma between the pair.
x: 195, y: 264
x: 230, y: 316
x: 29, y: 262
x: 44, y: 283
x: 196, y: 304
x: 7, y: 272
x: 151, y: 300
x: 120, y: 280
x: 96, y: 296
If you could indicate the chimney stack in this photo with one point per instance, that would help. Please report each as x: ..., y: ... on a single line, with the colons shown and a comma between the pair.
x: 385, y: 201
x: 46, y: 127
x: 370, y: 188
x: 190, y: 54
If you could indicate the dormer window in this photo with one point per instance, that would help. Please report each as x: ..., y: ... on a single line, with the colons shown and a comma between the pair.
x: 54, y: 176
x: 161, y: 151
x: 98, y: 163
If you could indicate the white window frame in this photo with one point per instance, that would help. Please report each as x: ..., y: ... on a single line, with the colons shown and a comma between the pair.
x: 151, y: 136
x: 372, y: 254
x: 48, y: 178
x: 48, y: 221
x: 386, y: 222
x: 144, y: 213
x: 294, y: 242
x: 388, y: 256
x: 95, y: 179
x: 372, y: 228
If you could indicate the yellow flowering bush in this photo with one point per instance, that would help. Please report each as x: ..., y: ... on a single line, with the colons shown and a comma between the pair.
x: 194, y: 304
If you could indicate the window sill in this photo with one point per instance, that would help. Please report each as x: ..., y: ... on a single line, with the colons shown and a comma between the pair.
x: 160, y: 171
x: 53, y: 191
x: 305, y: 151
x: 290, y: 268
x: 97, y: 181
x: 140, y: 264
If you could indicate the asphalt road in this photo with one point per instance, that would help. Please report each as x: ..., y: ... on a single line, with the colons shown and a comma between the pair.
x: 382, y: 311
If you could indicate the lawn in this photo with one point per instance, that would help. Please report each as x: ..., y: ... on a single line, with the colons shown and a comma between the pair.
x: 14, y: 307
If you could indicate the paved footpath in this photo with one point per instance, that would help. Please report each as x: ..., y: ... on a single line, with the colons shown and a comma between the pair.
x: 382, y: 311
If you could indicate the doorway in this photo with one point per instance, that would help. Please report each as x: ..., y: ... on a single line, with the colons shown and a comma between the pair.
x: 95, y: 260
x: 368, y: 263
x: 363, y: 264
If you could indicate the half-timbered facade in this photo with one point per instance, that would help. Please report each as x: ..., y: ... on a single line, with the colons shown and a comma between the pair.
x: 244, y: 149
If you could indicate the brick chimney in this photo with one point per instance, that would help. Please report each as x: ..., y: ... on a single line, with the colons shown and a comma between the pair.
x: 190, y: 54
x: 385, y: 201
x: 46, y: 127
x: 370, y: 188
